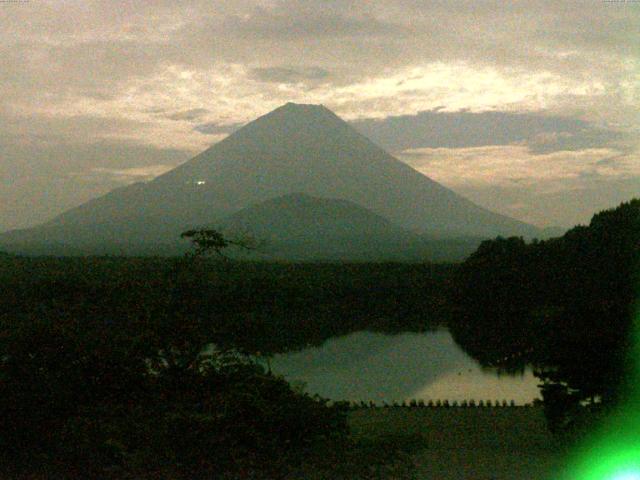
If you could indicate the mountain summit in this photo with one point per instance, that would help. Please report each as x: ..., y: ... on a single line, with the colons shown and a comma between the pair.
x: 294, y: 148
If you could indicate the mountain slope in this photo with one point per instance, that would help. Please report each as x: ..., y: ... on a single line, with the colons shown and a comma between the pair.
x: 295, y: 148
x: 298, y: 215
x: 301, y: 227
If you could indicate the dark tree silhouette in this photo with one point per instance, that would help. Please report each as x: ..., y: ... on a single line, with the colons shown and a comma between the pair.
x: 564, y: 306
x: 86, y: 387
x: 207, y: 241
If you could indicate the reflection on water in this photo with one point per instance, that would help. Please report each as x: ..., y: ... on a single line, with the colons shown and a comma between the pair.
x: 373, y: 366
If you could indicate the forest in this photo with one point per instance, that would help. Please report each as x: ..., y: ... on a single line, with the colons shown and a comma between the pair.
x: 566, y: 306
x: 106, y: 367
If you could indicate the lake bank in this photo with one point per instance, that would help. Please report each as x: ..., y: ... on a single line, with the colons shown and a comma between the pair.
x: 468, y: 443
x: 379, y: 368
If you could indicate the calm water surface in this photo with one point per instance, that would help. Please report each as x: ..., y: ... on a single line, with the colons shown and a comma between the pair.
x: 373, y: 366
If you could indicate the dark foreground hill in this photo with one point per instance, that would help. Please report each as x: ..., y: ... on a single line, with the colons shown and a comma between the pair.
x: 305, y: 228
x: 295, y: 148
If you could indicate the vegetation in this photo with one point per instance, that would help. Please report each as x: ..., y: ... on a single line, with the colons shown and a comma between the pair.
x: 141, y: 388
x: 144, y: 368
x: 206, y: 241
x: 256, y: 307
x: 79, y: 396
x: 564, y: 305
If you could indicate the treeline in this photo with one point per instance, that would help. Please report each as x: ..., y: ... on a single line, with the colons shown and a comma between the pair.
x: 564, y: 305
x: 255, y: 307
x: 413, y: 403
x: 106, y: 369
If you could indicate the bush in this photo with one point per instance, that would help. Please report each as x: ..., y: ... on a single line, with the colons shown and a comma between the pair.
x: 81, y: 395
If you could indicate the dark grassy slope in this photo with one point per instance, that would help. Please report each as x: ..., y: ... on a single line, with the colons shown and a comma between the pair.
x: 469, y: 443
x: 295, y: 148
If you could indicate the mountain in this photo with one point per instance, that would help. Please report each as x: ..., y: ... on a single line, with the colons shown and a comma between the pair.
x: 295, y: 148
x: 302, y: 227
x: 300, y: 216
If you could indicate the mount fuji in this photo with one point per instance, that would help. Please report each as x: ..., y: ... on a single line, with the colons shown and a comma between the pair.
x: 295, y: 149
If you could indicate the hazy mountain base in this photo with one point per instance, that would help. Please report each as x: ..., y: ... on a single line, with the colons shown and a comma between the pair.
x: 104, y: 240
x: 295, y: 227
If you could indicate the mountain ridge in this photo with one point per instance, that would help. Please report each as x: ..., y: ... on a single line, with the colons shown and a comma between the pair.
x: 298, y: 226
x: 294, y: 148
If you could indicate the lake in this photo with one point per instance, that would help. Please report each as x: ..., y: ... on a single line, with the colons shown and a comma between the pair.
x: 386, y: 368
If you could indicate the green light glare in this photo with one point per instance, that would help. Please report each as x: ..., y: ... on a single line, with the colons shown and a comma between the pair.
x: 627, y: 476
x: 609, y: 458
x: 613, y: 451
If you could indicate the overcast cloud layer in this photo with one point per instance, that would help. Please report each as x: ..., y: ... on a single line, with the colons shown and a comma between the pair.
x: 529, y: 108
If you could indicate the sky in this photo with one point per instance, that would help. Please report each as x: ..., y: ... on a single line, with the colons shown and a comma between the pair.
x: 529, y: 108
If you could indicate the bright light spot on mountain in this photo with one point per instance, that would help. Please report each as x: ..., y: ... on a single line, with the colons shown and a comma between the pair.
x: 201, y: 182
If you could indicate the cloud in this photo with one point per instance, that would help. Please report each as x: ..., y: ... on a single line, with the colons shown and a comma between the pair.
x: 128, y: 175
x: 70, y: 127
x: 141, y: 74
x: 461, y: 86
x: 543, y: 133
x: 240, y: 97
x: 544, y: 189
x: 189, y: 115
x: 289, y: 74
x: 214, y: 128
x: 474, y: 56
x: 517, y: 165
x: 286, y: 23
